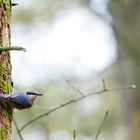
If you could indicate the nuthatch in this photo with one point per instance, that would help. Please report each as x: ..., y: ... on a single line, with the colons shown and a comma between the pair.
x: 20, y: 100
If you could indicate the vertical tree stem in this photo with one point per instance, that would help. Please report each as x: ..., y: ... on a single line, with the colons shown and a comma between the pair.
x: 6, y: 111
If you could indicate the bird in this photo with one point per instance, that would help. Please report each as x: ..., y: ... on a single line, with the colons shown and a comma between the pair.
x: 20, y: 100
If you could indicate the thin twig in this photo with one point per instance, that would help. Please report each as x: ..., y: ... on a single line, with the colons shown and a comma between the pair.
x: 76, y: 89
x: 74, y: 134
x: 18, y: 131
x: 68, y: 103
x: 104, y: 85
x: 102, y: 124
x: 13, y: 48
x: 18, y: 48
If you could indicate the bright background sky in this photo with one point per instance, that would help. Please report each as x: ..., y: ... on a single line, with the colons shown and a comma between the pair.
x: 77, y: 44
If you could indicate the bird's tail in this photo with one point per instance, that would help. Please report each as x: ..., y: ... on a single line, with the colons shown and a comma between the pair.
x: 1, y: 96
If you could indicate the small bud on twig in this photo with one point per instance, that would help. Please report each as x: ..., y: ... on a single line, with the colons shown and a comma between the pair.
x: 133, y: 86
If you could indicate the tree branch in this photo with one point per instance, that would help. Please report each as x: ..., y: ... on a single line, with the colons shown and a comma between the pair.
x: 18, y: 131
x: 102, y: 124
x: 76, y: 89
x: 71, y: 102
x: 13, y: 48
x: 74, y: 134
x: 104, y: 85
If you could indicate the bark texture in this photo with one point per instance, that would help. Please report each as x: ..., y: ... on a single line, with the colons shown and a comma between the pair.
x: 5, y: 69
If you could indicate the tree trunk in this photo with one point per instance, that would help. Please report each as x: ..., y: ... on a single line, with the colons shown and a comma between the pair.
x: 5, y: 69
x: 126, y: 25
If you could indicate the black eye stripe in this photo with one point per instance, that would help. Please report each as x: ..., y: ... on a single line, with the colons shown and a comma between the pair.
x: 31, y: 93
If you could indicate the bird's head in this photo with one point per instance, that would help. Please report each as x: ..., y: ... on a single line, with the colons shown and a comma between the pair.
x: 33, y: 95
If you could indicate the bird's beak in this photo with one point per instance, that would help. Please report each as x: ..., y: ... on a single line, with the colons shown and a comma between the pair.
x: 39, y: 94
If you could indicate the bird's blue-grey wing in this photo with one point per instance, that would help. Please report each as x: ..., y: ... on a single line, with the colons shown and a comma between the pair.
x: 18, y: 101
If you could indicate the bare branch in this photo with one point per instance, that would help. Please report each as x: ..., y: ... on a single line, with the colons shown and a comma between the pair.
x: 104, y: 85
x: 18, y: 48
x: 102, y: 124
x: 76, y: 89
x: 18, y: 131
x: 70, y: 102
x: 13, y: 48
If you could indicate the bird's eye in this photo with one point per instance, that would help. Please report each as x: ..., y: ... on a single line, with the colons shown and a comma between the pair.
x: 28, y: 93
x: 31, y: 93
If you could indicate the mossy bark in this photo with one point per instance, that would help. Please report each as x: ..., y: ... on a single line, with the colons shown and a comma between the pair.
x: 5, y: 69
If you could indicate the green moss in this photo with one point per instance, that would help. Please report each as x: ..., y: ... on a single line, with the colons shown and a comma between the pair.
x: 6, y: 87
x: 9, y: 112
x: 9, y: 87
x: 6, y: 19
x: 0, y: 2
x: 8, y: 6
x: 2, y: 68
x: 4, y: 134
